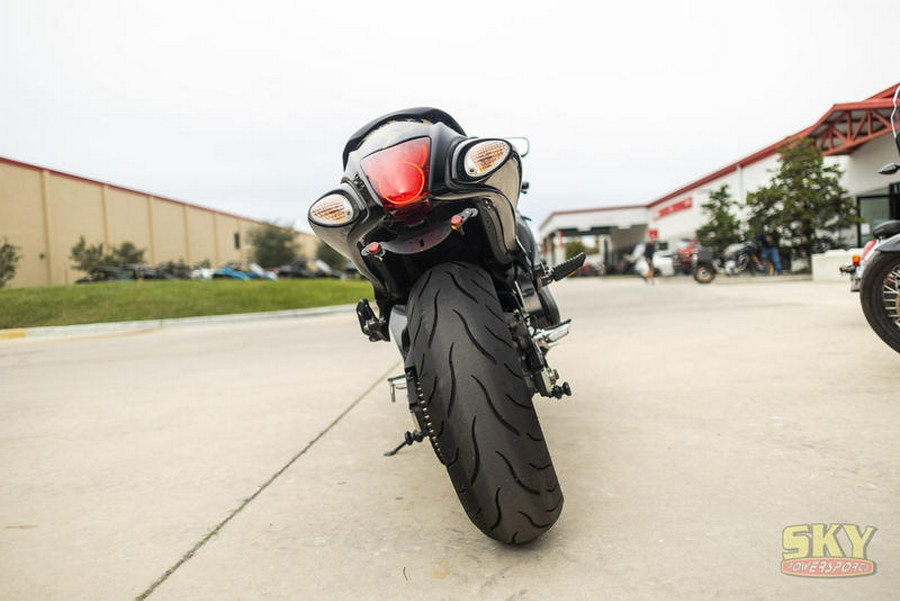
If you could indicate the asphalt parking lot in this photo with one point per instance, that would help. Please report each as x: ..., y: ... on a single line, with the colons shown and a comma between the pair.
x: 245, y: 461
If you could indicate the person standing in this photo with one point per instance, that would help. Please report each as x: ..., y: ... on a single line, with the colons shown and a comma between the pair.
x: 649, y: 251
x: 769, y: 251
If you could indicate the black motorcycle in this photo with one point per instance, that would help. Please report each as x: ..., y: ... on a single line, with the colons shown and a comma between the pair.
x: 879, y: 286
x: 428, y: 215
x: 738, y: 258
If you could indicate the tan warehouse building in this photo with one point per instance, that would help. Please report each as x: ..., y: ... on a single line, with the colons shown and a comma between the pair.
x: 44, y: 212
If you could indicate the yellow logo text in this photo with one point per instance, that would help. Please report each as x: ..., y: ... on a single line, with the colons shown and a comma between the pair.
x: 826, y: 550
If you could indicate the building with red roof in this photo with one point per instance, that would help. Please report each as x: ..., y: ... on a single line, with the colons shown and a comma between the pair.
x: 855, y: 135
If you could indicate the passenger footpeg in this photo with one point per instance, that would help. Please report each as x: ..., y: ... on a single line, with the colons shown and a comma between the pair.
x: 551, y: 336
x: 564, y: 269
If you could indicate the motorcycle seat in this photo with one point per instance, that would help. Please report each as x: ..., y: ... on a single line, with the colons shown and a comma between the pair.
x: 887, y: 229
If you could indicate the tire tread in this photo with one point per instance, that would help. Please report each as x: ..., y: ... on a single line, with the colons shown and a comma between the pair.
x: 479, y: 405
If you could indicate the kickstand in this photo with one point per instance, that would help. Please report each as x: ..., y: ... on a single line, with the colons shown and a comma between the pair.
x: 409, y: 438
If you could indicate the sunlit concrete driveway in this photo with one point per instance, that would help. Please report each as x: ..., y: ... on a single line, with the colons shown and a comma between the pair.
x: 245, y: 461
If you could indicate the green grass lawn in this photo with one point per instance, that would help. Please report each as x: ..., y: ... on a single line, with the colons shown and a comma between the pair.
x: 132, y: 301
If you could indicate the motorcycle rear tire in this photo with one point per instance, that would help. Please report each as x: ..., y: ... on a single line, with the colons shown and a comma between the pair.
x: 476, y: 406
x: 879, y: 294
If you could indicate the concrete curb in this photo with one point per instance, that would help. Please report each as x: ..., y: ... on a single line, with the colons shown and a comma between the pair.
x: 123, y: 327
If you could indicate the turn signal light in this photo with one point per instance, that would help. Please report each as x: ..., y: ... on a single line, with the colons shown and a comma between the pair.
x: 484, y: 157
x: 856, y: 260
x: 334, y: 209
x: 399, y: 174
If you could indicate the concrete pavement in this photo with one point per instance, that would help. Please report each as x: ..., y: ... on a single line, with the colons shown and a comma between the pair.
x: 244, y: 461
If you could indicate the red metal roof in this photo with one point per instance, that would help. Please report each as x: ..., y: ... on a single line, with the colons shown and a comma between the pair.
x: 848, y: 126
x: 576, y: 211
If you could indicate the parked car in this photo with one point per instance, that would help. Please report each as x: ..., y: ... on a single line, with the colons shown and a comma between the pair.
x: 178, y: 271
x: 324, y: 270
x: 593, y: 266
x: 313, y: 269
x: 351, y: 272
x: 143, y: 272
x: 252, y: 270
x: 107, y: 274
x: 202, y: 273
x: 662, y: 262
x: 129, y: 273
x: 295, y: 269
x: 683, y: 258
x: 229, y: 273
x: 588, y: 270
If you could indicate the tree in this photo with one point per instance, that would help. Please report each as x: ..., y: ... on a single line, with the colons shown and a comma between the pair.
x: 179, y: 268
x: 723, y: 227
x: 273, y: 245
x: 575, y: 246
x: 89, y: 257
x: 9, y: 260
x: 333, y: 258
x: 125, y: 254
x: 804, y: 205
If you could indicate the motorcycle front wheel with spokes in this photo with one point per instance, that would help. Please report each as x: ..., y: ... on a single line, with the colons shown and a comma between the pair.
x: 880, y: 297
x: 476, y: 407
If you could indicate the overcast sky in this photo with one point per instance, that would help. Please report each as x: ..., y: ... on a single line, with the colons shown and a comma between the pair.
x: 245, y: 107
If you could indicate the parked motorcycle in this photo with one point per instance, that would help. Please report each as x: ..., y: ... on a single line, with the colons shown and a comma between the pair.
x: 879, y: 269
x: 738, y: 258
x: 856, y: 265
x: 428, y: 215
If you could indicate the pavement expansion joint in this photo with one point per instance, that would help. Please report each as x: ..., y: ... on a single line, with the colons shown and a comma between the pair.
x: 193, y: 551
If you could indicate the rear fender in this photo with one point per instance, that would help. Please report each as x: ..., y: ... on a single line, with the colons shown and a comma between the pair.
x: 891, y: 245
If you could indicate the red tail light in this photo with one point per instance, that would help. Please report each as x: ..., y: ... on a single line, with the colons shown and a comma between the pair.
x: 399, y: 174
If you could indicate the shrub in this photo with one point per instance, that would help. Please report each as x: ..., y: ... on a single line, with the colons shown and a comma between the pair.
x: 9, y: 260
